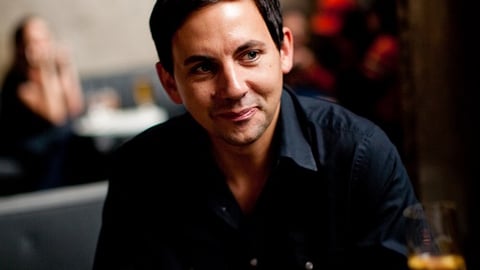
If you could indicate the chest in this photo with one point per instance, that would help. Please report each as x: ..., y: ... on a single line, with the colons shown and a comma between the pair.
x: 287, y: 230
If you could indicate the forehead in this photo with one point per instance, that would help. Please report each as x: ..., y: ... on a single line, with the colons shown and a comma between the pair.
x: 224, y: 23
x: 224, y: 10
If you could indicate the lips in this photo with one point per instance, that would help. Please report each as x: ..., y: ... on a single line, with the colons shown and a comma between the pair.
x: 238, y: 116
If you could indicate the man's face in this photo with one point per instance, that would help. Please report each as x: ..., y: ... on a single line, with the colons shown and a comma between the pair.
x: 228, y: 71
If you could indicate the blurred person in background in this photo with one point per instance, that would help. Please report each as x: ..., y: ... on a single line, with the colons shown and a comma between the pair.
x: 371, y: 87
x: 359, y: 45
x: 381, y: 69
x: 307, y: 76
x: 40, y: 97
x: 337, y: 36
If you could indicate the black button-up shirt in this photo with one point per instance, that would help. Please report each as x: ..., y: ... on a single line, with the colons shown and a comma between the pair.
x: 335, y: 198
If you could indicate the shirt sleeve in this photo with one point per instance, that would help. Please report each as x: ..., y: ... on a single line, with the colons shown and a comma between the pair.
x: 381, y: 190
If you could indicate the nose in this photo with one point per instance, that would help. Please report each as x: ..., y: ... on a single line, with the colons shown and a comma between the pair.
x: 231, y: 83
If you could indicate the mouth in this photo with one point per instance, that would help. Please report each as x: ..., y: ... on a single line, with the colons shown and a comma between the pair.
x: 238, y: 116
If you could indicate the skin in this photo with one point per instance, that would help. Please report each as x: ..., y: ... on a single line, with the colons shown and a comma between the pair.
x: 52, y: 89
x: 229, y: 75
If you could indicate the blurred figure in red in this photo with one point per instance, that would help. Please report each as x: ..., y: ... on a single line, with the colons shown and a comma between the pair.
x: 329, y: 17
x: 338, y: 37
x: 359, y: 46
x: 380, y: 67
x: 307, y: 75
x: 373, y: 89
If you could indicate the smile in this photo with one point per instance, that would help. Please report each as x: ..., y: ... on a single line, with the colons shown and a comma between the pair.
x: 242, y: 115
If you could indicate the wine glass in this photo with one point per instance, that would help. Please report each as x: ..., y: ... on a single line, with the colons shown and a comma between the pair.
x: 432, y: 237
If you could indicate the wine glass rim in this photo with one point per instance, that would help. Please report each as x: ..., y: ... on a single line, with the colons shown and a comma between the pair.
x: 417, y: 210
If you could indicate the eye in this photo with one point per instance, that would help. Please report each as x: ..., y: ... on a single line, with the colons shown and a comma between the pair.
x: 251, y: 56
x: 203, y: 68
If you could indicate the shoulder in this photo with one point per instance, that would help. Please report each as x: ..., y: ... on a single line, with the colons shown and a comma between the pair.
x: 342, y: 135
x: 330, y: 117
x: 147, y: 165
x: 331, y: 126
x: 358, y: 151
x: 162, y: 149
x: 174, y: 135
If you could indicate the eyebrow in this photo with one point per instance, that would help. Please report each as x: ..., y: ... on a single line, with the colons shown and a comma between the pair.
x: 249, y: 44
x: 196, y: 58
x: 201, y: 58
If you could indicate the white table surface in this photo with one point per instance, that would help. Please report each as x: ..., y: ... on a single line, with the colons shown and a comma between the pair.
x: 107, y: 122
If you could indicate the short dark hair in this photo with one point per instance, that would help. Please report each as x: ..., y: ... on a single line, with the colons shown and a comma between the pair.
x: 168, y: 16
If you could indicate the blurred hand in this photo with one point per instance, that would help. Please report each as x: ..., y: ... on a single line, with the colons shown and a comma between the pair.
x: 62, y: 55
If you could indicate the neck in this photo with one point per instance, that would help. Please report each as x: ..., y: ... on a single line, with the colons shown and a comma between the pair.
x: 246, y: 168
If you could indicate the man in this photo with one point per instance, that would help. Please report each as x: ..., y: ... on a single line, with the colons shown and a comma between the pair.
x: 251, y: 176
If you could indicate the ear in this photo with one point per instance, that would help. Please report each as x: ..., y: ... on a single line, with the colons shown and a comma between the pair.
x: 286, y: 51
x: 168, y: 83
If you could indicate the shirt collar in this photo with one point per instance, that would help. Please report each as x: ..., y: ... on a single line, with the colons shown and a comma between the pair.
x: 294, y: 143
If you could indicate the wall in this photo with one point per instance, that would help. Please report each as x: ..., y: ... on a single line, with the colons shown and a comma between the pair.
x: 106, y: 36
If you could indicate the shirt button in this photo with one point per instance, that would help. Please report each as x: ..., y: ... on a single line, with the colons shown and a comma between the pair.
x: 254, y: 262
x: 309, y: 265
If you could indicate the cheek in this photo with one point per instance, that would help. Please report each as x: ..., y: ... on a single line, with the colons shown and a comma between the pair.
x: 196, y: 96
x: 270, y: 77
